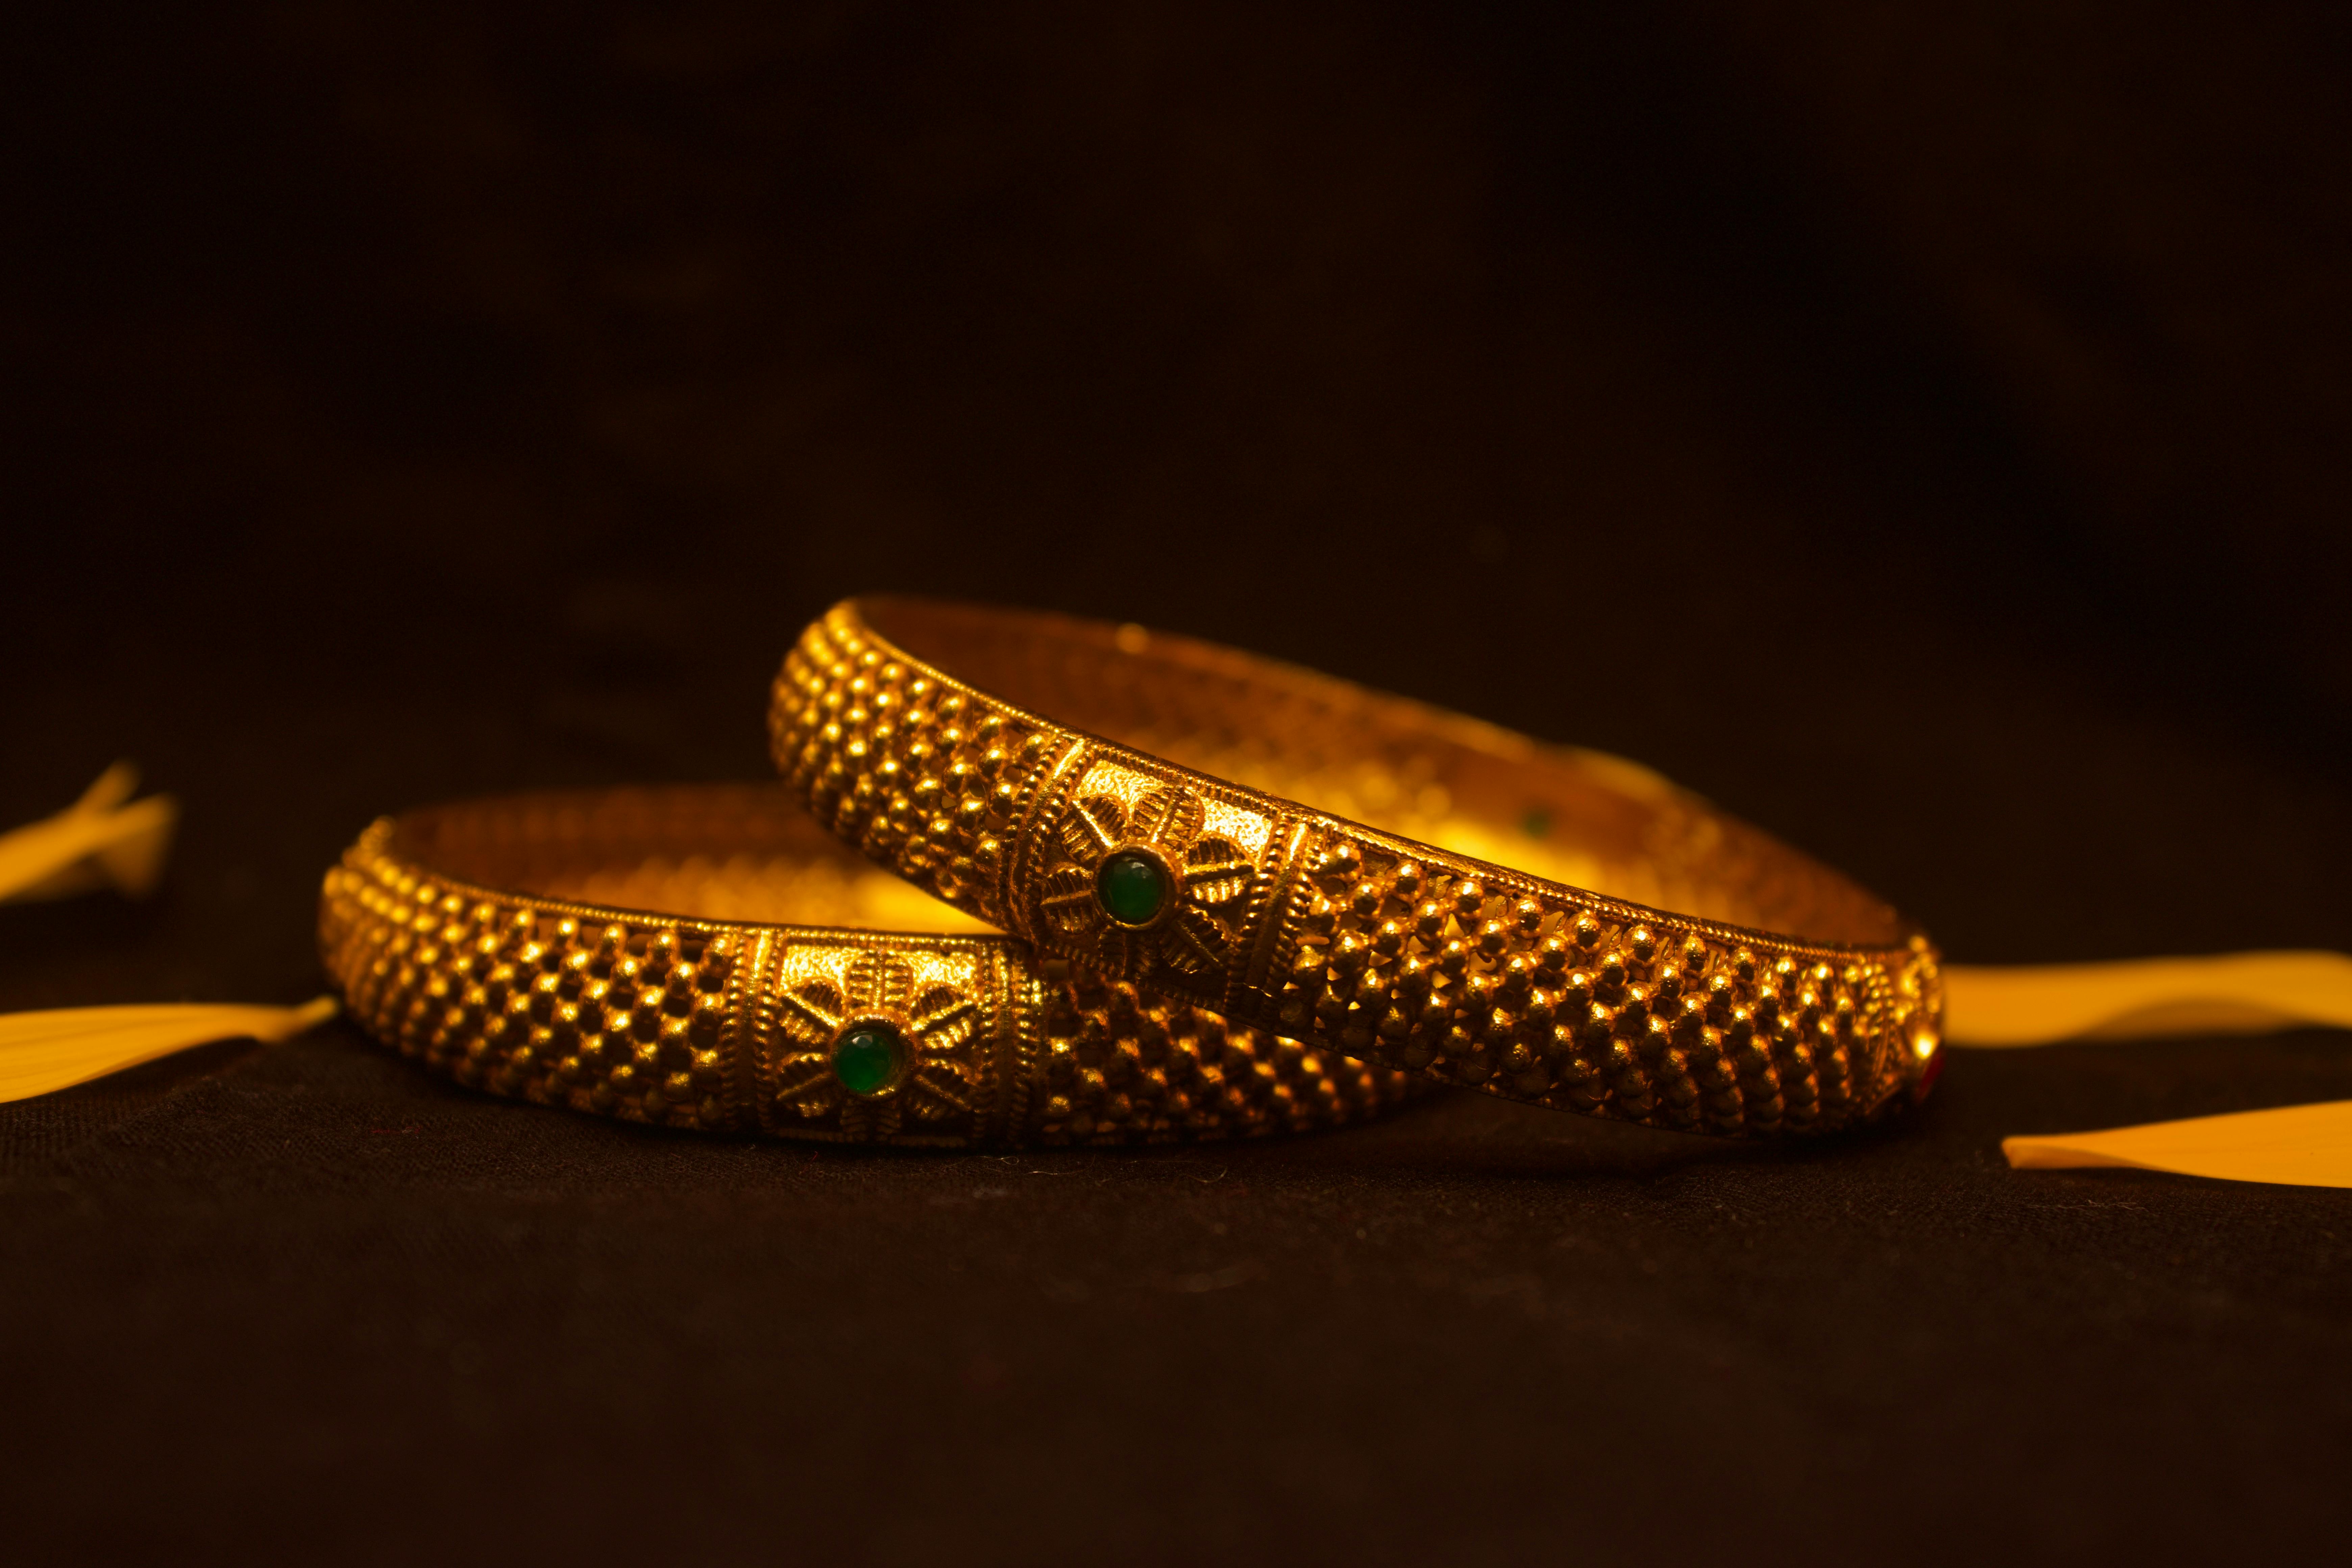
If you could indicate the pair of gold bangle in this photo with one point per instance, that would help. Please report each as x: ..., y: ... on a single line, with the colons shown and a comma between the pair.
x: 1228, y: 906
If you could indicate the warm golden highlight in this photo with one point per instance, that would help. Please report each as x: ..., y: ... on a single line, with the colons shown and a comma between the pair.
x: 1375, y: 877
x: 760, y: 998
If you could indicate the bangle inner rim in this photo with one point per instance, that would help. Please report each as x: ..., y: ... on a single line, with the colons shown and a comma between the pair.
x: 720, y: 852
x: 1581, y: 817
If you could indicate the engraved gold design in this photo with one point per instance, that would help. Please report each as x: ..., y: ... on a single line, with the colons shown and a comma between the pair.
x: 1353, y: 936
x: 725, y: 1025
x: 1209, y: 874
x: 925, y: 998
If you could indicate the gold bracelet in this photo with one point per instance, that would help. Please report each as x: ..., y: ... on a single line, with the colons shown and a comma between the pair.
x: 718, y: 1015
x: 1175, y: 854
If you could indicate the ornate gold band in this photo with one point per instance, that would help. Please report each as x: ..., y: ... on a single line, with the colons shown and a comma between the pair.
x: 1153, y: 830
x: 716, y: 1015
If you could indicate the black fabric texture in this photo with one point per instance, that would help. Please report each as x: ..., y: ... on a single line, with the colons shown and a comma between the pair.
x: 1922, y: 434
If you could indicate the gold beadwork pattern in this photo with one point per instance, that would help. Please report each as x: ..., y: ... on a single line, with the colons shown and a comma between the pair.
x: 1607, y: 1012
x: 729, y: 1026
x: 1351, y: 938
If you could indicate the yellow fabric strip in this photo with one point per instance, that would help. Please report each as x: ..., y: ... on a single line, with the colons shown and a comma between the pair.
x: 2301, y: 1145
x: 99, y: 841
x: 46, y: 1051
x: 2232, y: 994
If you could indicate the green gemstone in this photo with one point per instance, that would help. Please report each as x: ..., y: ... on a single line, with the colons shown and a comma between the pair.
x: 869, y: 1059
x: 1133, y: 886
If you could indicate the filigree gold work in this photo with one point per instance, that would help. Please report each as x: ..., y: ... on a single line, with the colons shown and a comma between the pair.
x: 1210, y: 875
x: 937, y: 1020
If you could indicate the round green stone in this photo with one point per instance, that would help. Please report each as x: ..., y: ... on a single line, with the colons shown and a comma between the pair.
x: 1132, y: 886
x: 869, y: 1059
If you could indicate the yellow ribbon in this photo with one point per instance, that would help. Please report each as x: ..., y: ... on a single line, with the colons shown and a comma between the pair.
x: 2301, y: 1145
x: 2139, y: 998
x: 43, y: 1052
x: 2232, y: 994
x: 106, y: 839
x: 97, y: 842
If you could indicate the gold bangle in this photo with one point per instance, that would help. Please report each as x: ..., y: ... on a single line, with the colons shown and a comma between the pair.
x: 718, y: 1016
x: 919, y: 732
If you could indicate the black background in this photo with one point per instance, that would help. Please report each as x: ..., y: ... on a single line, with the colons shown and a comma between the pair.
x: 1922, y: 429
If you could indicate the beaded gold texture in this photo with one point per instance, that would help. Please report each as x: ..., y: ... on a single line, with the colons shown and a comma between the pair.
x: 1349, y: 938
x: 729, y: 1026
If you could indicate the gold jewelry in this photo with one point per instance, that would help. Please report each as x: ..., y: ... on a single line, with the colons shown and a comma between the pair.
x: 959, y: 746
x: 719, y: 1015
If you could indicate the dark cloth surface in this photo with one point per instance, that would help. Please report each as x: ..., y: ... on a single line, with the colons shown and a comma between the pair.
x: 1924, y: 435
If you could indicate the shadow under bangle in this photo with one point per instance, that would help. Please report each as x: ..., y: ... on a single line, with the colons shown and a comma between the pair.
x: 1365, y: 873
x: 513, y: 945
